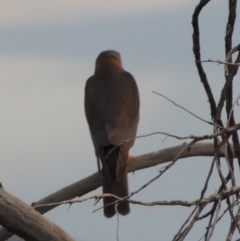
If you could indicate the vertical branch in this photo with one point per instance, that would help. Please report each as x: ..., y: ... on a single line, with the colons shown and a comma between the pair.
x: 216, y: 110
x: 234, y: 225
x: 229, y: 77
x: 202, y: 74
x: 215, y: 221
x: 230, y: 25
x: 183, y: 235
x: 231, y: 72
x: 197, y: 54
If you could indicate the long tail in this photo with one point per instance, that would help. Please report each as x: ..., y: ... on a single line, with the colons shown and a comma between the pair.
x: 112, y: 185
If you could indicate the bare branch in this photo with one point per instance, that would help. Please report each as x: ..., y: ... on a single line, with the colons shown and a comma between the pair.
x: 29, y: 225
x: 224, y: 131
x: 213, y: 198
x: 190, y: 226
x: 197, y: 54
x: 218, y: 62
x: 234, y: 225
x: 215, y: 221
x: 184, y: 150
x: 117, y: 231
x: 185, y: 223
x: 230, y: 73
x: 230, y: 25
x: 231, y: 111
x: 236, y: 202
x: 208, y: 122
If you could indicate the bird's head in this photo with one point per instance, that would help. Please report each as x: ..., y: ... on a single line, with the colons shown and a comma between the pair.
x: 109, y: 58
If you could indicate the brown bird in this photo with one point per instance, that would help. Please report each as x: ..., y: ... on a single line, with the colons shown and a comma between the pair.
x: 112, y: 111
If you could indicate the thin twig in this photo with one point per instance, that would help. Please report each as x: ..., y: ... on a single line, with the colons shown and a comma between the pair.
x: 215, y: 221
x: 213, y: 198
x: 224, y: 131
x: 236, y: 202
x: 230, y: 73
x: 165, y: 169
x: 234, y: 225
x: 212, y: 165
x: 211, y: 213
x: 190, y: 226
x: 117, y: 230
x: 230, y: 114
x: 218, y: 62
x: 191, y: 113
x: 183, y: 225
x: 230, y: 167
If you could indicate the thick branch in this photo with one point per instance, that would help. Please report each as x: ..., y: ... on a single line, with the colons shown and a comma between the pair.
x: 17, y: 217
x: 94, y: 181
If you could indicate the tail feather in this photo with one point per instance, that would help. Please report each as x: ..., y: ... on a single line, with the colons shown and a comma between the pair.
x: 109, y: 210
x: 119, y: 189
x: 114, y: 185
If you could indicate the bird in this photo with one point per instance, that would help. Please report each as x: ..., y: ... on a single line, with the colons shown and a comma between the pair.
x: 112, y: 111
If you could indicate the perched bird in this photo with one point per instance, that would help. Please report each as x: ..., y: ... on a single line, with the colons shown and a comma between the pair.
x: 112, y: 112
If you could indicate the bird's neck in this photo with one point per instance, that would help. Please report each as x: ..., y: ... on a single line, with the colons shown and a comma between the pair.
x: 107, y: 69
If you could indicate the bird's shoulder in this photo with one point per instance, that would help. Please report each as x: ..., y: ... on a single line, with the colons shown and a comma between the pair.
x: 125, y: 75
x: 127, y: 82
x: 121, y: 81
x: 89, y: 81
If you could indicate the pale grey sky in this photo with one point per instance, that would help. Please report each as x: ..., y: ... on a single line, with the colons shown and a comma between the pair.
x: 48, y: 50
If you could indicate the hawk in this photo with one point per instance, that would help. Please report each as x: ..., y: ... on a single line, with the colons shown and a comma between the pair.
x: 112, y: 112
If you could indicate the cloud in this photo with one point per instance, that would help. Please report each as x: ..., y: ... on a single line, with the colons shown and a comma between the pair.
x: 54, y: 12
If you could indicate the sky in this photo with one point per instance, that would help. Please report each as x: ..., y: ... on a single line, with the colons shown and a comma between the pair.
x: 47, y: 52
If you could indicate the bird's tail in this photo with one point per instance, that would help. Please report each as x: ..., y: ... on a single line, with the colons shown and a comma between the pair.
x: 119, y: 189
x: 114, y: 185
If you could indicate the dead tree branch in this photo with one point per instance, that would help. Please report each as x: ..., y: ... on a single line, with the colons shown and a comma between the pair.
x: 191, y: 113
x: 197, y: 54
x: 17, y: 217
x: 219, y: 62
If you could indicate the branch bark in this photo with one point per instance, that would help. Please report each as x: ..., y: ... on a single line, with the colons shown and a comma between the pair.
x: 197, y: 54
x: 17, y: 217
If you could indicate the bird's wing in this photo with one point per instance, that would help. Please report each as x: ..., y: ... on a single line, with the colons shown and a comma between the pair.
x: 112, y: 109
x: 94, y: 114
x: 122, y: 112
